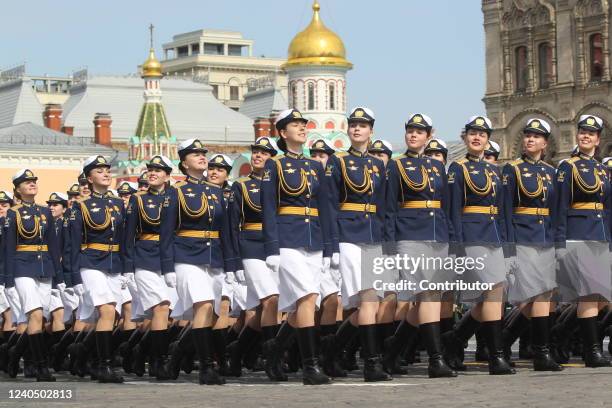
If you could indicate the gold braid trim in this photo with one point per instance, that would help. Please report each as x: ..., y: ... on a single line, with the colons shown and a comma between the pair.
x: 24, y: 233
x: 143, y: 214
x: 188, y: 211
x: 286, y: 188
x: 414, y: 186
x: 531, y: 194
x: 481, y: 191
x: 582, y: 185
x: 90, y: 222
x: 359, y: 189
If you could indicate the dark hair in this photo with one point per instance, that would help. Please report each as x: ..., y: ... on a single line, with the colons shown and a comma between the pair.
x: 181, y: 168
x: 282, y: 144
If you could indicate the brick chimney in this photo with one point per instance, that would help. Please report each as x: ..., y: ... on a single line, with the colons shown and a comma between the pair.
x: 69, y: 130
x: 262, y: 127
x: 272, y: 119
x: 52, y: 116
x: 102, y: 129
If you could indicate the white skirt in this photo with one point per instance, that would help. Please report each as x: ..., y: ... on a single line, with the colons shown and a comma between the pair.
x: 102, y: 288
x: 16, y: 310
x: 176, y: 311
x: 356, y: 269
x: 4, y: 304
x: 261, y: 281
x: 152, y: 289
x: 299, y: 275
x: 34, y: 294
x: 239, y: 302
x: 329, y: 285
x: 198, y: 284
x: 55, y: 301
x: 71, y: 303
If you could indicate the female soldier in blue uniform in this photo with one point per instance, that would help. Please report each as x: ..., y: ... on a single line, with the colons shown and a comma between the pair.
x: 96, y: 236
x: 261, y: 281
x: 32, y: 260
x: 195, y: 246
x: 6, y: 202
x: 478, y: 232
x: 417, y: 221
x: 142, y: 257
x: 296, y: 241
x: 582, y: 234
x: 529, y: 214
x: 357, y: 192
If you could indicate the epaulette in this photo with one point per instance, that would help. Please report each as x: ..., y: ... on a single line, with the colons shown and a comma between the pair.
x: 461, y: 161
x: 141, y: 193
x: 573, y: 159
x: 82, y: 200
x: 516, y: 162
x: 278, y: 157
x: 242, y: 179
x: 16, y: 207
x: 208, y: 183
x: 341, y: 154
x: 179, y: 184
x: 548, y: 164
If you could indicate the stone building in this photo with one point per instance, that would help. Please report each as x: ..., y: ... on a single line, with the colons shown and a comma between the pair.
x: 547, y: 59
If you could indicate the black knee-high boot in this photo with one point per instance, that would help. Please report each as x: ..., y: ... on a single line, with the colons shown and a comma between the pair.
x: 332, y: 343
x: 405, y: 336
x: 497, y: 363
x: 372, y: 367
x: 87, y: 349
x: 238, y: 348
x: 592, y: 354
x: 219, y: 340
x: 15, y: 353
x: 40, y: 359
x: 311, y: 374
x: 126, y: 348
x: 106, y: 372
x: 542, y: 359
x: 74, y: 349
x: 453, y: 341
x: 513, y: 329
x: 346, y: 341
x: 177, y: 351
x: 4, y: 348
x: 561, y: 331
x: 482, y: 353
x: 58, y: 351
x: 273, y: 350
x: 437, y: 367
x: 140, y: 353
x: 203, y: 343
x: 159, y: 351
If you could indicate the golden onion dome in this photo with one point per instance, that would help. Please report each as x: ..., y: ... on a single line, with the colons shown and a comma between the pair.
x: 317, y: 45
x: 151, y: 67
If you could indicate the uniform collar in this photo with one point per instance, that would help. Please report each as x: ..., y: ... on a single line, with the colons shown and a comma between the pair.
x: 356, y: 152
x: 153, y: 191
x: 471, y: 157
x: 413, y: 154
x: 194, y: 180
x: 294, y: 155
x: 530, y: 160
x: 585, y: 156
x: 254, y: 176
x: 100, y: 195
x: 26, y: 204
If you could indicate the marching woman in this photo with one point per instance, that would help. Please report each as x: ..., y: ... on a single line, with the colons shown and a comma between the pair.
x: 32, y: 261
x: 142, y: 257
x: 478, y: 232
x: 357, y: 193
x: 583, y: 233
x: 296, y: 240
x: 417, y: 220
x: 96, y: 237
x: 529, y: 213
x: 196, y: 247
x: 261, y: 281
x: 6, y: 202
x: 219, y: 167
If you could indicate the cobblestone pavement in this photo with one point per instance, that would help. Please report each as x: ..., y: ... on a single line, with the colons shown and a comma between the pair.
x: 575, y: 387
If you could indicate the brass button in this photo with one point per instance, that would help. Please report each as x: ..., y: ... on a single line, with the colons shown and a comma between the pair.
x: 306, y: 220
x: 598, y: 215
x: 431, y: 213
x: 369, y: 193
x: 540, y: 222
x: 111, y: 239
x: 367, y: 215
x: 208, y: 244
x: 492, y: 218
x: 307, y: 195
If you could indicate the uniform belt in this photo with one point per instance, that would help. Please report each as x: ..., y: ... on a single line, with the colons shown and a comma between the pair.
x: 149, y: 237
x: 480, y: 209
x: 587, y: 206
x: 289, y: 210
x: 101, y: 247
x: 531, y: 211
x: 32, y: 248
x: 422, y: 204
x: 198, y: 234
x: 371, y: 208
x: 252, y: 226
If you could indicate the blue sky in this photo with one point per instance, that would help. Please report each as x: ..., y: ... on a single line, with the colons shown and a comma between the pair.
x: 408, y: 55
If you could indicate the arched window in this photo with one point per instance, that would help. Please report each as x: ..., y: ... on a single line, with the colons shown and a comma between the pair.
x: 294, y: 96
x: 520, y: 60
x: 597, y: 65
x: 332, y: 96
x: 311, y: 96
x: 330, y: 124
x: 545, y: 65
x: 311, y: 124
